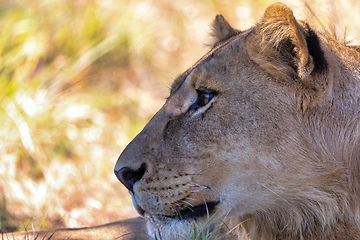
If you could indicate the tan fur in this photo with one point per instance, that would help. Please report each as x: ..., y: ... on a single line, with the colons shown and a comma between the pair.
x: 222, y: 30
x: 276, y: 146
x: 131, y: 229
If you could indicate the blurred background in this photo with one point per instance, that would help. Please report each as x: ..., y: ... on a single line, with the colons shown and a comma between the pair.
x: 80, y: 78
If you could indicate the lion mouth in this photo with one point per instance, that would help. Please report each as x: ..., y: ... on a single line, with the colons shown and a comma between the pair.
x: 195, y: 212
x: 198, y: 211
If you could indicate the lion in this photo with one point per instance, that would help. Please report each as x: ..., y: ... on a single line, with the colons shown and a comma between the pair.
x: 260, y: 139
x: 261, y: 136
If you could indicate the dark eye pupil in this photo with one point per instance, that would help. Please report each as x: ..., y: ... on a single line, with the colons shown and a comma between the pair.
x: 205, y: 98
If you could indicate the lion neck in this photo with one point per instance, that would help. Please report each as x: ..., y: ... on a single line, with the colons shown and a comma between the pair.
x: 332, y: 132
x: 284, y: 227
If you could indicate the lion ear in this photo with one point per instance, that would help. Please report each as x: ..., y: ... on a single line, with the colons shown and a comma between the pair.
x: 221, y: 30
x: 287, y: 47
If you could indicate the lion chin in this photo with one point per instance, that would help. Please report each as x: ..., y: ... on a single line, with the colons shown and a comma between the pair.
x: 260, y: 139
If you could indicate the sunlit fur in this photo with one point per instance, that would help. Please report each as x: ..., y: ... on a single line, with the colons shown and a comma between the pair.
x: 278, y: 146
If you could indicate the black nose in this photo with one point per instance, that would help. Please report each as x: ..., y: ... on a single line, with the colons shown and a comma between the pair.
x: 129, y: 177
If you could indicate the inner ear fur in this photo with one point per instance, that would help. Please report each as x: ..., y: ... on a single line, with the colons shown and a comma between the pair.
x: 221, y: 30
x: 289, y: 50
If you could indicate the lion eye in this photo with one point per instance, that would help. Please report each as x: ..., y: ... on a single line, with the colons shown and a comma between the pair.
x: 204, y: 98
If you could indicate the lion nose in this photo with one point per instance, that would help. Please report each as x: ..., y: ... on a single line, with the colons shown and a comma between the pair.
x: 129, y: 177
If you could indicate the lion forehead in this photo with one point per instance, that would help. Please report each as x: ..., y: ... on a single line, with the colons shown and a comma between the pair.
x: 218, y: 48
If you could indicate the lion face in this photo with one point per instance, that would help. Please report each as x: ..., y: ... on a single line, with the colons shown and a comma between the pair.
x: 232, y: 140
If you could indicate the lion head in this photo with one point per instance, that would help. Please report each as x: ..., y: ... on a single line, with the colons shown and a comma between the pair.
x: 261, y: 136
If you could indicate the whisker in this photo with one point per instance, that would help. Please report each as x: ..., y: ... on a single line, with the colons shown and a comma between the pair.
x: 195, y: 185
x: 187, y: 203
x: 196, y: 191
x: 176, y: 212
x: 179, y: 206
x: 189, y: 208
x: 238, y: 225
x: 192, y: 184
x: 273, y: 192
x: 191, y: 199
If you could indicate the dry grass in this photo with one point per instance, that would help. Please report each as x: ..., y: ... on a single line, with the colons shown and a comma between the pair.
x: 80, y: 78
